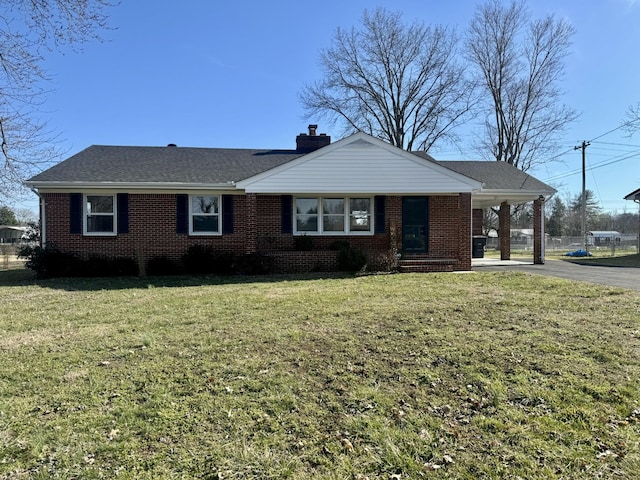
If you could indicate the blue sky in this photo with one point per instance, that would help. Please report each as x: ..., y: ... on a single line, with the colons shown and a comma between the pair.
x: 228, y: 74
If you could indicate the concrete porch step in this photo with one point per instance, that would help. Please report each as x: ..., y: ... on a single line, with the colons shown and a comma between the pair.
x: 425, y: 265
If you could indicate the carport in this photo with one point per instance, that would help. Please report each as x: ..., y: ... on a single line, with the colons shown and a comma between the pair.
x: 635, y: 196
x: 503, y: 186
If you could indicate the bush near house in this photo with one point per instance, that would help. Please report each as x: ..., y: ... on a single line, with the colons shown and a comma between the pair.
x: 198, y: 260
x: 204, y: 259
x: 163, y: 265
x: 50, y: 262
x: 350, y: 258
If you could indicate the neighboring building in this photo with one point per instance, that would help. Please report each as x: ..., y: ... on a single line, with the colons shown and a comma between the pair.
x: 11, y: 233
x: 635, y: 196
x: 144, y: 202
x: 602, y: 238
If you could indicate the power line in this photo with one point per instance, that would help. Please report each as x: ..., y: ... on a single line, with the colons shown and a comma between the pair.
x: 611, y: 161
x: 602, y: 152
x: 625, y: 124
x: 570, y: 149
x: 619, y: 144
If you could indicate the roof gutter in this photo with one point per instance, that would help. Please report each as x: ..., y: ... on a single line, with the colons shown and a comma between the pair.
x: 488, y: 192
x: 130, y: 185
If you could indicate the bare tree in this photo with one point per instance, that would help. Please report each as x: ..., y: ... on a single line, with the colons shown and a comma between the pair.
x: 520, y: 66
x: 398, y: 82
x: 28, y: 30
x: 632, y: 120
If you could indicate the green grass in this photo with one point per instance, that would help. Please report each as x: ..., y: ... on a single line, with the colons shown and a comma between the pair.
x: 477, y: 375
x: 561, y: 252
x: 621, y: 261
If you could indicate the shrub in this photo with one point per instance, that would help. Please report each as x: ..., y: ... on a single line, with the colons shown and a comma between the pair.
x: 202, y: 259
x: 350, y: 258
x: 162, y: 265
x: 383, y: 262
x: 49, y: 262
x: 101, y: 266
x: 303, y: 243
x: 253, y: 264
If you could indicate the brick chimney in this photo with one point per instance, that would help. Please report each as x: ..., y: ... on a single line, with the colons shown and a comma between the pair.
x: 308, y: 143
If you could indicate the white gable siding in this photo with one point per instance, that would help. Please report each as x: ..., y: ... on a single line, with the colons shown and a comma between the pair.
x: 359, y: 167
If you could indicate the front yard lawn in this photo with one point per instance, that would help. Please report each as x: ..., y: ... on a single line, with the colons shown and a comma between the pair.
x: 623, y: 261
x: 465, y: 376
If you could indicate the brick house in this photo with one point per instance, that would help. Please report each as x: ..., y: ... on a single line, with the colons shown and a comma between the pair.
x: 146, y: 202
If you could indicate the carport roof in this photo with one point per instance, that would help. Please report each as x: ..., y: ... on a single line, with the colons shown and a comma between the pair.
x: 501, y: 182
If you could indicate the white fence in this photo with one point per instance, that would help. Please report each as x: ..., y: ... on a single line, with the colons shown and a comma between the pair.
x: 622, y: 243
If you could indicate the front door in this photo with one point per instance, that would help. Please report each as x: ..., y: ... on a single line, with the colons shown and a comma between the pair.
x: 415, y: 220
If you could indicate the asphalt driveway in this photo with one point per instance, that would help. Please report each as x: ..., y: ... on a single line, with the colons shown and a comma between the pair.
x: 625, y: 277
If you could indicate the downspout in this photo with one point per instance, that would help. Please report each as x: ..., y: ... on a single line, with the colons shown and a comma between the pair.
x: 638, y: 202
x: 43, y: 223
x: 543, y: 242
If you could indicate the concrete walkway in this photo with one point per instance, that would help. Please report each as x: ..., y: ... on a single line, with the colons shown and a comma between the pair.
x: 624, y: 277
x: 496, y: 262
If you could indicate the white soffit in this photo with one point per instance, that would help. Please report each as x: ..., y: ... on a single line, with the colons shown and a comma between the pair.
x: 493, y: 198
x: 359, y: 164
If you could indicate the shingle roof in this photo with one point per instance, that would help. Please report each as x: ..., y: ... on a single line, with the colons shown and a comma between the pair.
x: 100, y: 163
x: 494, y: 175
x: 497, y: 175
x: 188, y: 165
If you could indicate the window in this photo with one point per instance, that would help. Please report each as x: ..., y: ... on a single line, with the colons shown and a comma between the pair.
x: 204, y: 215
x: 360, y: 214
x: 333, y: 216
x: 100, y: 215
x: 307, y: 214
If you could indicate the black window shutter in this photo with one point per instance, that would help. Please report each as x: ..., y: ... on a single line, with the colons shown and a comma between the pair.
x: 182, y: 213
x: 379, y: 201
x: 123, y: 212
x: 75, y: 213
x: 227, y: 214
x: 286, y: 213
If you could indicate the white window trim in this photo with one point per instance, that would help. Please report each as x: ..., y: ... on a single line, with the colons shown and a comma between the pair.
x: 191, y: 214
x: 347, y: 217
x: 85, y: 214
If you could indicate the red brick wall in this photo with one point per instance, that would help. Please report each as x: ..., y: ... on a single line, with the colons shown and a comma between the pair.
x: 478, y: 219
x: 256, y: 227
x: 444, y: 226
x: 464, y: 232
x: 269, y: 229
x: 152, y: 230
x: 304, y: 262
x: 504, y: 233
x: 538, y: 232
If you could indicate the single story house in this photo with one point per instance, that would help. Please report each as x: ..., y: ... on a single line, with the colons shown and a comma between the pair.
x: 145, y: 202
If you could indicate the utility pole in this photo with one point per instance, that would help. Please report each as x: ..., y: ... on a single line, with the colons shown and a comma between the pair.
x: 583, y: 147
